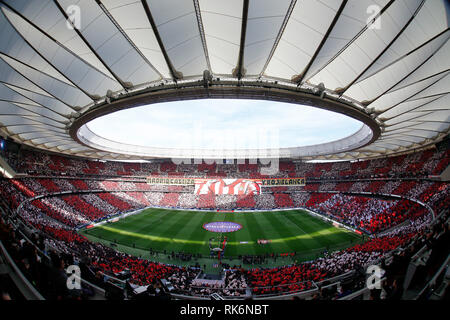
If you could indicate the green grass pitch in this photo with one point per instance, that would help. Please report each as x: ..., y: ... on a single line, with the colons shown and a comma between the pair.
x: 182, y: 231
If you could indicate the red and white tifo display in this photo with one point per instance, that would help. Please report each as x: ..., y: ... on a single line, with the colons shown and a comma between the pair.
x: 220, y: 186
x: 227, y: 186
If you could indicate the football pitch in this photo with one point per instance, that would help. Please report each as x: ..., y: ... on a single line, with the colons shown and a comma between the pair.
x: 292, y: 231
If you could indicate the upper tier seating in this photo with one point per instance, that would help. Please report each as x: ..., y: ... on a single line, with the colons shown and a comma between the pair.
x: 419, y: 164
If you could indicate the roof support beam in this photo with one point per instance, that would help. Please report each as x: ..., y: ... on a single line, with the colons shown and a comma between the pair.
x: 426, y: 121
x: 202, y: 33
x: 410, y: 52
x: 431, y: 95
x: 404, y: 139
x: 111, y: 18
x: 25, y: 89
x: 393, y: 135
x: 408, y: 130
x: 175, y: 74
x: 239, y: 71
x: 419, y: 106
x: 37, y: 123
x: 78, y: 32
x: 299, y: 78
x: 34, y: 68
x: 59, y: 43
x: 420, y: 80
x: 415, y: 94
x: 352, y: 40
x: 50, y: 140
x: 385, y: 49
x: 33, y: 118
x: 43, y: 135
x: 279, y: 35
x: 411, y: 119
x: 40, y: 105
x: 415, y: 69
x: 38, y: 52
x: 31, y: 131
x: 69, y: 106
x: 15, y: 103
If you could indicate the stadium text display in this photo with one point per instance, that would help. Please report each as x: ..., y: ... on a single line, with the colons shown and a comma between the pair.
x: 227, y: 186
x: 170, y: 181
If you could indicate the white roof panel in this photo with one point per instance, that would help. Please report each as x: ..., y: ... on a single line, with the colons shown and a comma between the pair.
x: 390, y: 59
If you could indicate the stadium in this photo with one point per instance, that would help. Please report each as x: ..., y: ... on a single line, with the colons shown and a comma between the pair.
x: 105, y: 197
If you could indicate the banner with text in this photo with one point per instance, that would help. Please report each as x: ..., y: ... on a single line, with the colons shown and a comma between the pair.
x: 230, y: 185
x: 170, y: 181
x: 282, y: 182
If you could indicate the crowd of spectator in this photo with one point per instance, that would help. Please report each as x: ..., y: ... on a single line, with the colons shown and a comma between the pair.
x: 369, y: 214
x: 265, y: 201
x: 245, y: 201
x: 56, y: 217
x: 233, y: 285
x: 44, y: 269
x: 206, y: 201
x: 226, y: 202
x: 274, y: 281
x: 418, y: 164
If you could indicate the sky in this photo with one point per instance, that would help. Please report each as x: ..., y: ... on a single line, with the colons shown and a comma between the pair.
x: 224, y: 124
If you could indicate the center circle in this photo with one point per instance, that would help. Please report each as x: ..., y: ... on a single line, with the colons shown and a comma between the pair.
x: 222, y: 226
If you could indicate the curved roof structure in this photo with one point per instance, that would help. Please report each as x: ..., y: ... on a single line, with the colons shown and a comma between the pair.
x: 64, y: 62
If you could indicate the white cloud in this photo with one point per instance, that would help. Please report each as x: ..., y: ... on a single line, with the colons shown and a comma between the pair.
x: 224, y: 124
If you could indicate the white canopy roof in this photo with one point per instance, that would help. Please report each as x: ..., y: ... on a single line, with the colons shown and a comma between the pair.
x: 390, y: 57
